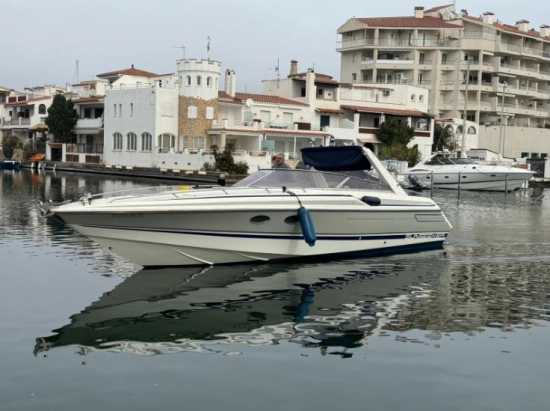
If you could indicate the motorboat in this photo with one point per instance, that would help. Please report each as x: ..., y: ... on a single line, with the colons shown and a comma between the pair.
x: 444, y: 170
x: 10, y: 164
x: 346, y: 204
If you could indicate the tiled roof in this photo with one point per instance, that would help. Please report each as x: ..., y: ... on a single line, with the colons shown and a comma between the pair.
x: 408, y: 21
x: 128, y: 72
x: 505, y: 27
x: 28, y: 101
x: 437, y: 8
x: 240, y: 98
x: 386, y: 110
x: 329, y: 111
x: 319, y: 78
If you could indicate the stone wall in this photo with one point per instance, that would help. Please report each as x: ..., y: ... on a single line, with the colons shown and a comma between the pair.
x: 192, y: 127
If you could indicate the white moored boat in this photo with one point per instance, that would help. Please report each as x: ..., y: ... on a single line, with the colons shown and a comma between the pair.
x: 347, y: 204
x: 463, y: 173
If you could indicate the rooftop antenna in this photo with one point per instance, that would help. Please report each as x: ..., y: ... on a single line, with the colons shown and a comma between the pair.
x: 182, y: 47
x: 276, y: 70
x: 208, y: 47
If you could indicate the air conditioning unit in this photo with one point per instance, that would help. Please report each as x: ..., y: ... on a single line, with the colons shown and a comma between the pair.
x: 386, y: 92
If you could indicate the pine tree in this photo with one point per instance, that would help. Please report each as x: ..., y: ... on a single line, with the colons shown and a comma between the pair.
x: 62, y: 118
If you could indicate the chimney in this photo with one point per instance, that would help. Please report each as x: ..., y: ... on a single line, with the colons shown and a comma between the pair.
x: 230, y: 82
x: 293, y: 67
x: 464, y: 12
x: 419, y: 12
x: 522, y: 25
x: 544, y: 30
x: 488, y: 17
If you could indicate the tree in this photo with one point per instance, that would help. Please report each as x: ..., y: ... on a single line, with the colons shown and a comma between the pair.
x: 394, y: 137
x: 62, y: 118
x: 225, y: 161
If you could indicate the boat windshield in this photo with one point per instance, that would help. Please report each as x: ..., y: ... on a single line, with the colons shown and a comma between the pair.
x: 357, y: 180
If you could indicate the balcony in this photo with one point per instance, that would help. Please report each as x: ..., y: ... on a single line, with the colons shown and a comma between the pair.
x: 508, y: 48
x: 89, y: 123
x: 394, y: 64
x: 404, y: 44
x: 16, y: 122
x: 82, y: 148
x: 425, y: 64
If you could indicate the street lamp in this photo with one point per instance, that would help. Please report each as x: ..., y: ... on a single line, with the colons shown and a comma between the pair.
x: 501, y: 139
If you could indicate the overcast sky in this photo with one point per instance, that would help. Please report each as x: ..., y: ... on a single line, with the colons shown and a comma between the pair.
x: 43, y: 39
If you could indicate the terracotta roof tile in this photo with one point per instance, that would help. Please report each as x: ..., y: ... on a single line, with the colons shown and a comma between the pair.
x: 386, y: 110
x: 240, y: 98
x: 437, y: 8
x: 28, y: 101
x: 408, y: 21
x: 505, y: 27
x: 319, y: 78
x: 128, y: 72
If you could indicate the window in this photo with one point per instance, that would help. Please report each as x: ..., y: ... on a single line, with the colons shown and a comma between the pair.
x: 188, y: 82
x: 198, y: 80
x: 320, y: 92
x: 166, y: 142
x: 131, y: 142
x: 524, y: 155
x: 209, y: 113
x: 444, y: 58
x: 354, y: 57
x: 544, y: 156
x: 120, y: 110
x: 131, y: 109
x: 87, y: 113
x: 117, y: 141
x: 183, y: 142
x: 42, y: 109
x: 146, y: 142
x: 303, y: 92
x: 413, y: 97
x: 365, y: 77
x: 472, y: 130
x: 354, y: 76
x: 209, y: 81
x: 199, y: 142
x: 421, y: 98
x: 192, y: 112
x: 114, y: 110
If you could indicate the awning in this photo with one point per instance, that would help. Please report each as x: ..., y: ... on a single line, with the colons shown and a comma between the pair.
x: 329, y: 111
x: 365, y: 139
x: 37, y: 157
x: 87, y: 131
x: 39, y: 126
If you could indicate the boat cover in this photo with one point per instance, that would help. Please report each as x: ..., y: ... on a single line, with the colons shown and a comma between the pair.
x: 336, y: 158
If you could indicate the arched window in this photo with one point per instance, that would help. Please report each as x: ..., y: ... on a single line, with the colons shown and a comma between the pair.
x: 166, y: 142
x: 146, y: 142
x: 459, y: 130
x: 131, y: 142
x: 209, y: 81
x: 131, y: 109
x: 188, y: 80
x: 114, y: 110
x: 42, y: 109
x: 120, y: 110
x: 198, y: 80
x: 472, y: 130
x: 117, y: 141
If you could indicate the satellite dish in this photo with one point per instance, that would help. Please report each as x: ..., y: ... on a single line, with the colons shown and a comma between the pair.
x: 249, y: 102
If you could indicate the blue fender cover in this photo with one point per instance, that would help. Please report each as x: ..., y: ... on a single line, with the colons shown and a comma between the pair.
x: 306, y: 223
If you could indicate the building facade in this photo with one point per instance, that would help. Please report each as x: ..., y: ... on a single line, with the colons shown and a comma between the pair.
x: 494, y: 74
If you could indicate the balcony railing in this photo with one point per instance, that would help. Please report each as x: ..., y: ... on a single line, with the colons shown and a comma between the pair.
x: 85, y: 148
x: 389, y: 42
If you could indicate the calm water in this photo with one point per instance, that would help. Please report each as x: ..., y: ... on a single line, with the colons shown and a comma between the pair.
x: 464, y: 328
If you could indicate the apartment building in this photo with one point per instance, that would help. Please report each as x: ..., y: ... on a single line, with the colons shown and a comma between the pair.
x: 494, y: 74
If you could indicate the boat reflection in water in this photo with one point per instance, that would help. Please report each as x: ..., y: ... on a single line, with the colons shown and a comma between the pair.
x: 331, y: 307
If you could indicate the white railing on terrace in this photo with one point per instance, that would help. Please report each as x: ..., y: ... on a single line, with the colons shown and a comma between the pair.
x: 394, y: 61
x: 389, y: 42
x: 478, y: 35
x: 510, y: 47
x: 170, y: 86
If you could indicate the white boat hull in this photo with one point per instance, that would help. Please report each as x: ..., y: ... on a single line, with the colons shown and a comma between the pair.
x: 180, y: 249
